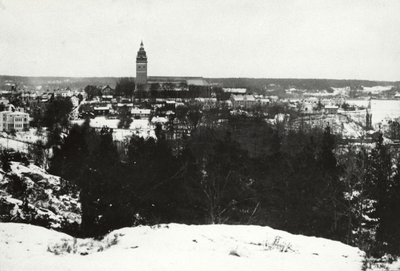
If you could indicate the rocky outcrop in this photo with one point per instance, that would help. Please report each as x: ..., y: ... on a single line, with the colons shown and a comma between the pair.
x: 28, y: 194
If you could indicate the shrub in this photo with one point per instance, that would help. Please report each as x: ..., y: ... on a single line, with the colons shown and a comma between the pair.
x: 277, y: 244
x: 17, y: 187
x: 83, y: 247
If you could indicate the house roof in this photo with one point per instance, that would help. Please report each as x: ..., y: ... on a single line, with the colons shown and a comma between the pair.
x: 101, y: 108
x: 195, y: 81
x: 331, y: 107
x: 13, y: 113
x: 125, y: 104
x: 107, y: 87
x: 247, y: 97
x: 235, y: 90
x: 140, y: 111
x: 18, y: 113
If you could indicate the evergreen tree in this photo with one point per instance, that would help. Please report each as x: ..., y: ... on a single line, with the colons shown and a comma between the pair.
x: 69, y: 159
x: 378, y: 184
x: 389, y: 227
x: 6, y: 160
x: 125, y: 118
x: 125, y: 87
x: 155, y: 175
x: 101, y: 189
x: 327, y: 157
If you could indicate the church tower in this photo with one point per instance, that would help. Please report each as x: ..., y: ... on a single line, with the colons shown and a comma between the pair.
x: 141, y: 66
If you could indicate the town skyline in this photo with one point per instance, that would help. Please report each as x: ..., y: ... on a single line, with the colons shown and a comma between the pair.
x: 289, y: 39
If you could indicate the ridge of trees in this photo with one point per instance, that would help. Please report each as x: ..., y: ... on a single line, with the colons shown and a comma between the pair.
x: 257, y: 85
x: 296, y: 181
x: 252, y: 83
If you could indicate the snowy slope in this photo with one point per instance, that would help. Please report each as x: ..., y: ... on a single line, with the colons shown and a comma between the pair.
x: 173, y: 247
x: 6, y: 143
x: 44, y: 195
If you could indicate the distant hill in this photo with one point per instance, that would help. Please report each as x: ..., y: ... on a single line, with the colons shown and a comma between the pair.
x: 28, y: 82
x: 258, y: 84
x: 253, y: 84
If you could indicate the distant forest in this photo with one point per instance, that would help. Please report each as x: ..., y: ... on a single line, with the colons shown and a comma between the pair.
x: 30, y: 82
x: 256, y: 85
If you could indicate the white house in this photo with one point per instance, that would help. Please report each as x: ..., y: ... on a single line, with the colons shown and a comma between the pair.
x: 331, y: 109
x: 140, y: 113
x: 243, y: 101
x: 10, y: 121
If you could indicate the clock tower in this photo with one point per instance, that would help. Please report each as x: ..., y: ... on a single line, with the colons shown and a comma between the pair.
x: 141, y: 66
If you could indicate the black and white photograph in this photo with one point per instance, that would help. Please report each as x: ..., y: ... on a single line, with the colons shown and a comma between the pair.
x: 180, y: 135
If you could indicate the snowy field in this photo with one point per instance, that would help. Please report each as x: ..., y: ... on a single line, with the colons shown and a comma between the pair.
x: 173, y: 247
x: 20, y: 141
x: 13, y: 144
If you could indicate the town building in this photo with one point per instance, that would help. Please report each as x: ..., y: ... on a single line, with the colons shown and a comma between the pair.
x: 141, y: 66
x: 167, y: 86
x: 331, y: 109
x: 14, y: 121
x: 139, y: 113
x: 246, y: 101
x: 101, y: 110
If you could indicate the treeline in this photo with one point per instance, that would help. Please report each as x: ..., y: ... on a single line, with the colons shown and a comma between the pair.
x: 257, y: 85
x: 296, y: 181
x: 48, y: 82
x: 253, y: 84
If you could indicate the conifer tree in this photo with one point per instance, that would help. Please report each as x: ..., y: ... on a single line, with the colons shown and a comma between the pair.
x: 102, y: 188
x: 378, y: 184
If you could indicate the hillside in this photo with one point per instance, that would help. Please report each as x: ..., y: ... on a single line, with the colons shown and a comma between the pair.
x: 173, y: 247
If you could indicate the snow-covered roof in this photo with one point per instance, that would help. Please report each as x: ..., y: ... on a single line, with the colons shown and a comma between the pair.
x: 13, y: 113
x: 123, y: 104
x: 197, y: 82
x: 246, y: 97
x: 235, y: 90
x: 140, y: 111
x: 101, y: 108
x: 159, y: 120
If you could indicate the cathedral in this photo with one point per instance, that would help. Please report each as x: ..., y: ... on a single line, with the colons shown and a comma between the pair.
x: 144, y: 82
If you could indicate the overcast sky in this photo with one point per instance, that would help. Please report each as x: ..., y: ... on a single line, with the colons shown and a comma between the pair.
x: 337, y: 39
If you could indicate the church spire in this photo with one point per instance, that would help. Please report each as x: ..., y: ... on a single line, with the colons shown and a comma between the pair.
x: 141, y: 55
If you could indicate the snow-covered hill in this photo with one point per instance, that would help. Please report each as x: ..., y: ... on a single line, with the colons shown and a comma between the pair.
x: 29, y: 194
x: 173, y: 247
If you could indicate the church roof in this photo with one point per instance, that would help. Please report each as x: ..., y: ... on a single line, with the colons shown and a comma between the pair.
x: 195, y: 81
